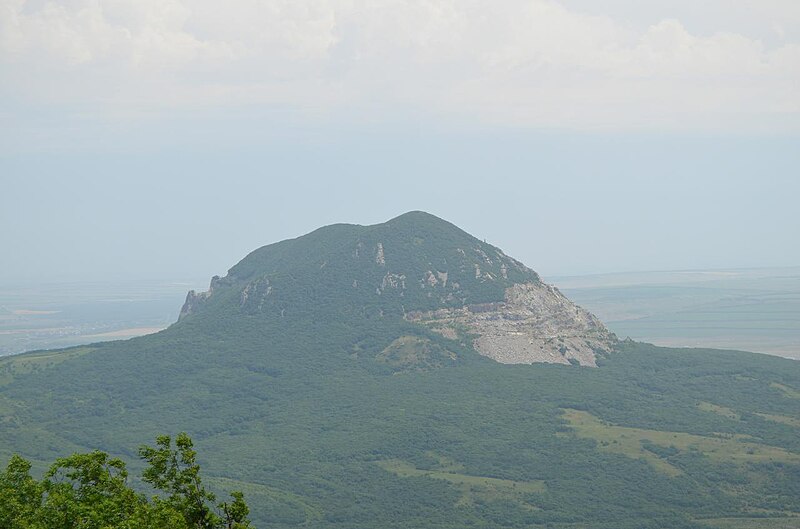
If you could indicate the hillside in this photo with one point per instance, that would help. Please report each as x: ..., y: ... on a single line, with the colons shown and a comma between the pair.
x: 415, y: 267
x: 392, y: 376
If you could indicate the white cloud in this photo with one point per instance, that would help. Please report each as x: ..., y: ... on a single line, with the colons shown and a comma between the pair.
x: 524, y: 62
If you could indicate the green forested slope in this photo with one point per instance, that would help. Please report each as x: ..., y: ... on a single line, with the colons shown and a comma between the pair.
x: 365, y: 271
x: 304, y: 413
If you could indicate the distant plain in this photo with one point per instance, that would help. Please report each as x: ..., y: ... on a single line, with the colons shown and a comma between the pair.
x: 750, y: 309
x: 747, y: 309
x: 53, y: 315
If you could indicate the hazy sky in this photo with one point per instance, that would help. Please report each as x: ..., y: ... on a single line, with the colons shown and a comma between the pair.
x: 166, y: 138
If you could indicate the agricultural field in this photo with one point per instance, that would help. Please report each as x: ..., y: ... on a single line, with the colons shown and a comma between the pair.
x: 49, y: 316
x: 752, y: 310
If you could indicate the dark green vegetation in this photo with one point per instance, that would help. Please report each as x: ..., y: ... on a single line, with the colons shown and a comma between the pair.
x: 364, y: 272
x: 320, y: 408
x: 90, y: 491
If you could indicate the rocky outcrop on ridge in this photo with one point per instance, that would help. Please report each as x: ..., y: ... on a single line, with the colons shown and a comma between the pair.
x: 535, y: 323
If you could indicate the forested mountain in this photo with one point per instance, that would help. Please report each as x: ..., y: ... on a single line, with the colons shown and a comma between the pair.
x: 408, y: 374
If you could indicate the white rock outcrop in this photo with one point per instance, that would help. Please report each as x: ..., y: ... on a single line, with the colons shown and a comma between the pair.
x: 535, y: 323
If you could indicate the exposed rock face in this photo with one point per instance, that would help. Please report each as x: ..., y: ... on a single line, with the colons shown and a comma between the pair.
x: 535, y: 323
x: 194, y: 299
x: 380, y: 257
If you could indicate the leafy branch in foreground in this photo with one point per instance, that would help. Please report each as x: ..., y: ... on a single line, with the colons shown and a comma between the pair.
x: 90, y: 491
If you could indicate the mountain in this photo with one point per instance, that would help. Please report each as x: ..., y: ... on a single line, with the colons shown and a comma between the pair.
x: 407, y: 374
x: 419, y: 268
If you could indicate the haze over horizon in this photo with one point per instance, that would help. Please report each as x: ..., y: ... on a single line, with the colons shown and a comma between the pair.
x: 169, y: 139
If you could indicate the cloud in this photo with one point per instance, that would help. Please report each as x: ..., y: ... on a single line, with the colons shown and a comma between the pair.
x: 521, y: 62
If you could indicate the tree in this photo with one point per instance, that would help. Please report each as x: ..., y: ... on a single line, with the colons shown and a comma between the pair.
x: 87, y: 490
x: 20, y: 495
x: 236, y: 512
x: 176, y: 472
x: 90, y: 491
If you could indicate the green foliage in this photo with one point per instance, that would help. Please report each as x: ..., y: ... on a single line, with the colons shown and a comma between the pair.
x: 176, y: 472
x: 20, y: 495
x: 236, y: 512
x: 90, y: 491
x: 369, y: 271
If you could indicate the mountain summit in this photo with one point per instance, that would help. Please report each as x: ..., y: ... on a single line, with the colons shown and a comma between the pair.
x: 415, y: 267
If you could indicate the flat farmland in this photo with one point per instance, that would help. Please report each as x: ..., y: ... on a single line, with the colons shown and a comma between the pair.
x: 753, y: 310
x: 53, y: 315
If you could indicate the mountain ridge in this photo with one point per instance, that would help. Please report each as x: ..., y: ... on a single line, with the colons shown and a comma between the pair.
x: 423, y: 269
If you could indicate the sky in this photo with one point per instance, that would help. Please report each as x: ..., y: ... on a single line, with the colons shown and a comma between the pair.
x: 165, y: 139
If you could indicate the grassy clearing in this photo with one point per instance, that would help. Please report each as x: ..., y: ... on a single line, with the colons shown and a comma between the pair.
x: 412, y: 353
x: 472, y: 487
x: 632, y: 442
x: 731, y: 414
x: 719, y: 410
x: 786, y: 390
x: 783, y: 419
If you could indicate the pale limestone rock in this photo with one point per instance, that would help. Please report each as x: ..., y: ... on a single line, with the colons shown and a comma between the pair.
x: 380, y: 258
x: 535, y: 323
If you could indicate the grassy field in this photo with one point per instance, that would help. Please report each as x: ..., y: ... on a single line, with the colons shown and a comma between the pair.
x: 472, y: 487
x: 637, y: 443
x: 790, y: 421
x: 731, y: 414
x: 719, y: 410
x: 788, y: 392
